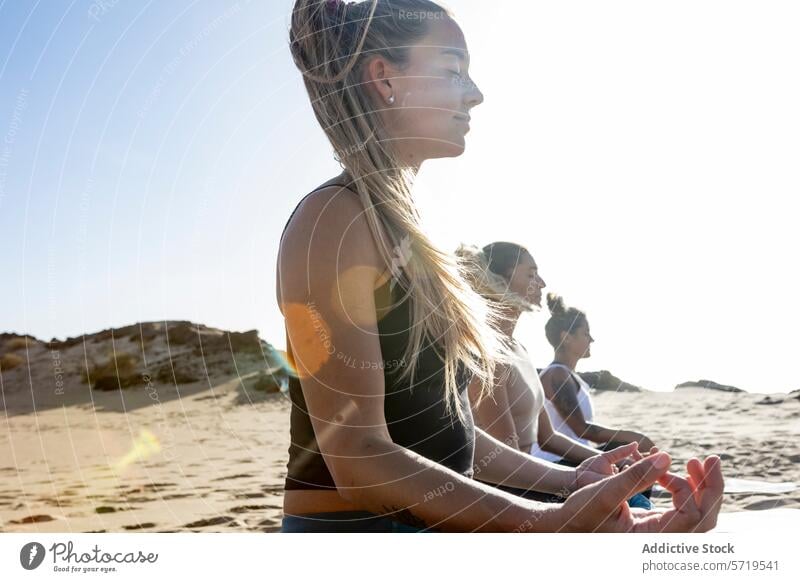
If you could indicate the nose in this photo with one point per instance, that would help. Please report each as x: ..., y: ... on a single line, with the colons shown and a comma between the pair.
x: 474, y: 95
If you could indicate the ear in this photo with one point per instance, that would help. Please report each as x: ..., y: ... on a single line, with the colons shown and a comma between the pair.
x: 564, y: 336
x: 379, y: 73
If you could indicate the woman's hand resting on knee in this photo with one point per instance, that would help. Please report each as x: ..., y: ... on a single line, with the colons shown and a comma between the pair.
x: 601, y: 506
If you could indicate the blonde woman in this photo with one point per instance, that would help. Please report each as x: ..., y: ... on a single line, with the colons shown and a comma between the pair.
x: 383, y: 330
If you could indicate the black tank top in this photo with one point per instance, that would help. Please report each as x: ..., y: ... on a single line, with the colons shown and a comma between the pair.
x: 416, y: 414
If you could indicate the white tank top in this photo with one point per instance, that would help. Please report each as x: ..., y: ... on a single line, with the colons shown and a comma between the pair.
x: 559, y: 425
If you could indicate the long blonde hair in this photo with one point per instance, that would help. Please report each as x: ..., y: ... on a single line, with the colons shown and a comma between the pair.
x: 330, y: 43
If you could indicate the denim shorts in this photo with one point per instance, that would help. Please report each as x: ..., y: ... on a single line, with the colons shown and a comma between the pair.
x: 345, y: 522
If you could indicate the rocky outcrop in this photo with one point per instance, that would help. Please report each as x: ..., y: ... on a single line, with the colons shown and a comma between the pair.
x: 708, y: 384
x: 606, y: 381
x: 135, y: 357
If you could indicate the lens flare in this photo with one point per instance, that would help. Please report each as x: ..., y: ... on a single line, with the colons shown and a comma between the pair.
x: 145, y: 445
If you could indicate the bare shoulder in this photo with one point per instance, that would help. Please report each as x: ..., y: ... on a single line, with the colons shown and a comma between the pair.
x: 327, y: 235
x: 553, y: 379
x: 327, y: 213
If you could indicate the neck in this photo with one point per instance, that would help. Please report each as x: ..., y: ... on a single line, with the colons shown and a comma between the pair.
x: 408, y: 159
x: 567, y: 360
x: 509, y: 322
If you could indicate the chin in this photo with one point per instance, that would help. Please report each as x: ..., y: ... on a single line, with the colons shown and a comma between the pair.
x: 450, y: 150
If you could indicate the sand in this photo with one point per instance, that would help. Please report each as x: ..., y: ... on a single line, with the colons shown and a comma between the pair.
x: 210, y: 456
x: 756, y: 442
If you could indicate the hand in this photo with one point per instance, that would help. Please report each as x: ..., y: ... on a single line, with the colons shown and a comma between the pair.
x: 628, y: 461
x: 625, y: 463
x: 696, y: 499
x: 601, y: 466
x: 645, y: 444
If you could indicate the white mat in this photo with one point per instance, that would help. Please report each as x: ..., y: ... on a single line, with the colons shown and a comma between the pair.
x: 768, y: 520
x: 735, y: 485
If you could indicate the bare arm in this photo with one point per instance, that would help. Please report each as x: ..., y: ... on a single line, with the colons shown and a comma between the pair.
x: 496, y: 462
x: 560, y: 444
x: 493, y: 413
x: 328, y: 270
x: 561, y: 388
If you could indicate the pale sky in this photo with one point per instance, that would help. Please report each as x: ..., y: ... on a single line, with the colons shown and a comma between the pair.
x: 646, y: 153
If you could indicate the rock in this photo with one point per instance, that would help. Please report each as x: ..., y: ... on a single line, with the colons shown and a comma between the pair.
x: 606, y: 381
x: 33, y: 519
x: 708, y: 384
x: 222, y: 519
x: 770, y: 400
x: 246, y: 508
x: 145, y: 525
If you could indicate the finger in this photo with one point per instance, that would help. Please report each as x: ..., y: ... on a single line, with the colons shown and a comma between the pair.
x: 636, y: 455
x: 672, y: 481
x: 695, y: 489
x: 616, y: 455
x: 636, y: 478
x: 687, y: 516
x: 712, y: 468
x: 639, y: 512
x: 697, y: 477
x: 608, y: 496
x: 653, y: 450
x: 711, y: 493
x: 696, y: 471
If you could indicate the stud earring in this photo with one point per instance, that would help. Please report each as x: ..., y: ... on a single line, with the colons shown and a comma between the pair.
x: 390, y: 100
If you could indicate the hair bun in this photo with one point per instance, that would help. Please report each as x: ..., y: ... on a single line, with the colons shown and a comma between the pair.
x: 556, y: 304
x: 326, y: 37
